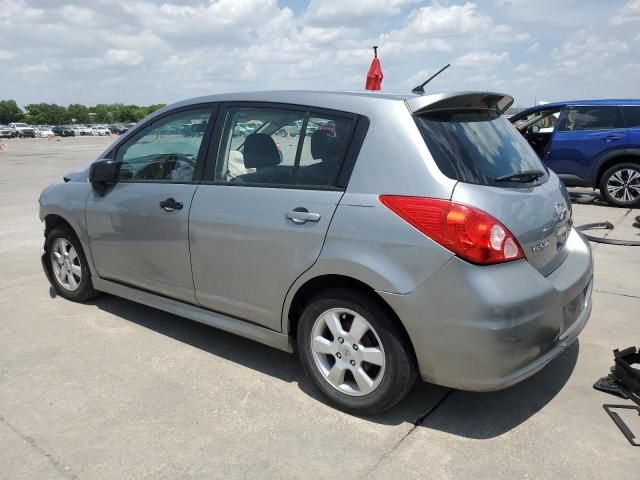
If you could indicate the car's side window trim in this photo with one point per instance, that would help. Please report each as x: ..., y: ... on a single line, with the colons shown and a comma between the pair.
x: 202, y: 151
x: 348, y: 156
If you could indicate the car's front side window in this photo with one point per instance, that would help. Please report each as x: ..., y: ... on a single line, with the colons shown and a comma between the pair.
x: 165, y: 150
x: 592, y: 118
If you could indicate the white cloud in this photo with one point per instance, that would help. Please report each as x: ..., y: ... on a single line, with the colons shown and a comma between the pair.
x: 249, y: 71
x: 584, y: 52
x: 352, y: 11
x: 534, y: 47
x: 6, y: 54
x: 453, y: 20
x: 481, y: 59
x: 123, y: 57
x: 628, y: 13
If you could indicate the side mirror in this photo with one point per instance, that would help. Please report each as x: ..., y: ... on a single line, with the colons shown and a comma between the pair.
x: 535, y: 128
x: 103, y: 173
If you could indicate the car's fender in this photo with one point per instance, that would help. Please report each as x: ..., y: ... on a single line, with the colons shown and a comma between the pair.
x: 599, y: 165
x: 67, y: 201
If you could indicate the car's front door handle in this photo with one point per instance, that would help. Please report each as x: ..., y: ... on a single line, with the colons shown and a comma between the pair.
x: 302, y: 215
x: 170, y: 204
x: 612, y: 138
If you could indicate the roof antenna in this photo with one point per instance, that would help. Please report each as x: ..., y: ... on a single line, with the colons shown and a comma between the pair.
x: 419, y: 90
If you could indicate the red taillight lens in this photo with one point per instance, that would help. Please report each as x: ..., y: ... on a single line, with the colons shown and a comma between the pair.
x: 468, y: 232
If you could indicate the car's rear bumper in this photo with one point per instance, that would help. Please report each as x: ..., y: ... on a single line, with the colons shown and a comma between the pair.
x: 484, y: 328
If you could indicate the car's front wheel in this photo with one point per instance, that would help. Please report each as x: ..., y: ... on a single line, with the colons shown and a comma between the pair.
x: 67, y: 264
x: 620, y: 185
x: 354, y: 352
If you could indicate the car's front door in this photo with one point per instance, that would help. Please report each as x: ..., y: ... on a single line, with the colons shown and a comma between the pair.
x: 262, y: 219
x: 585, y: 133
x: 138, y: 230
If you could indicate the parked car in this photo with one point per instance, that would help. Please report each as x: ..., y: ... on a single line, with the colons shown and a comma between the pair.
x: 85, y: 130
x: 23, y: 130
x: 44, y: 131
x: 7, y: 132
x: 593, y: 143
x: 448, y: 253
x: 117, y: 129
x: 100, y: 130
x: 63, y: 131
x: 295, y: 129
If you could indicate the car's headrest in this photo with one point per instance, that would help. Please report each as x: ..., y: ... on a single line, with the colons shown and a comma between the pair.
x: 324, y: 146
x: 260, y: 151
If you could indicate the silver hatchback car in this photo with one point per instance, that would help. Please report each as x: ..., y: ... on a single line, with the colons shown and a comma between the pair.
x: 405, y: 236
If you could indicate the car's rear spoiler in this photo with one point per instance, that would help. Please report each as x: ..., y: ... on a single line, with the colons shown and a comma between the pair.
x: 462, y: 100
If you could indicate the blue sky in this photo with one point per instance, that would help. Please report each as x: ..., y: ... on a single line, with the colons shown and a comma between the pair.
x: 162, y: 51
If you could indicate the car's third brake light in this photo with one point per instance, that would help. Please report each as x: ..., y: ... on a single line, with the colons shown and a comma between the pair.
x: 469, y: 232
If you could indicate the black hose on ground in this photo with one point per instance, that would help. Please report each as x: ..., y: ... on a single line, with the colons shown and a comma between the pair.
x: 609, y: 241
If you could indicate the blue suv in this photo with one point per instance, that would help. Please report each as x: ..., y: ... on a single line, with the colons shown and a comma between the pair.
x: 593, y: 143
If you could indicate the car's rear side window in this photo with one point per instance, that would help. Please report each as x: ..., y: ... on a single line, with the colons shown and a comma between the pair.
x: 477, y: 146
x: 631, y: 116
x: 592, y: 118
x: 281, y: 146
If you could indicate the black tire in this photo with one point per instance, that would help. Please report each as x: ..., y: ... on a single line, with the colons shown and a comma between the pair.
x: 85, y: 290
x: 606, y: 177
x: 400, y: 371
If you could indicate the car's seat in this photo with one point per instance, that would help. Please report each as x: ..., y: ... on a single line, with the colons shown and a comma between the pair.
x: 325, y: 147
x: 260, y: 152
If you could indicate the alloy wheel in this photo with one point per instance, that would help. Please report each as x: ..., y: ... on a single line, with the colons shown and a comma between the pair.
x: 347, y: 351
x: 624, y: 185
x: 66, y: 264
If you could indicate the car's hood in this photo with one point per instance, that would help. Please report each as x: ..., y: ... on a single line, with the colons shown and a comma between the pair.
x: 78, y: 175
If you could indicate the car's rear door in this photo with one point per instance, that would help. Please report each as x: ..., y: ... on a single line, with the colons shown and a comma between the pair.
x: 260, y: 218
x: 632, y: 122
x: 584, y: 135
x: 138, y: 230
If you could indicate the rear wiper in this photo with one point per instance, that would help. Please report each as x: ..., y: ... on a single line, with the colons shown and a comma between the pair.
x: 521, y: 176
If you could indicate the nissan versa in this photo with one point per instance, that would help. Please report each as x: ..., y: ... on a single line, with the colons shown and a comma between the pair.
x: 408, y: 235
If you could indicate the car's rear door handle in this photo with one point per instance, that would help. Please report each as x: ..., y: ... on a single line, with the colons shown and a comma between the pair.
x: 302, y: 215
x: 170, y: 204
x: 612, y: 138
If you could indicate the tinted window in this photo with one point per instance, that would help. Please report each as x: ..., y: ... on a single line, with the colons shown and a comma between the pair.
x: 281, y: 147
x: 592, y: 118
x: 477, y: 146
x: 631, y: 116
x: 166, y: 149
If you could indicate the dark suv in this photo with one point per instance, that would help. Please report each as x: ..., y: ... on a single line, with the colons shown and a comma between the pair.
x: 593, y: 143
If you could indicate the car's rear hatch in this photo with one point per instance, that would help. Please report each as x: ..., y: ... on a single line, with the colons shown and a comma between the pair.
x: 497, y: 171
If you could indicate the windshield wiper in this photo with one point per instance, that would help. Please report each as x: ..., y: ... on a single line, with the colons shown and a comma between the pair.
x: 521, y: 176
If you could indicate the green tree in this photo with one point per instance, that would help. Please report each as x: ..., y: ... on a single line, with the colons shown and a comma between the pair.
x: 10, y: 112
x: 46, y: 113
x: 78, y: 112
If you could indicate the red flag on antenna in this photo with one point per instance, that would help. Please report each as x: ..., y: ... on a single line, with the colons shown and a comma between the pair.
x: 374, y: 77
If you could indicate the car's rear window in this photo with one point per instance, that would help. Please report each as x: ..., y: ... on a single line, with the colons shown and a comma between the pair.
x: 478, y: 146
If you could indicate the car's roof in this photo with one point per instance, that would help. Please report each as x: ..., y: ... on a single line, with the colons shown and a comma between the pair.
x: 359, y: 102
x: 604, y: 101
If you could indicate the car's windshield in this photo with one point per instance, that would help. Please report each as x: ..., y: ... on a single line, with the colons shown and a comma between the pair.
x: 478, y: 146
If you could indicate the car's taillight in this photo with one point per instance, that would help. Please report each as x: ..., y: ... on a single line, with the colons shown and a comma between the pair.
x: 468, y: 232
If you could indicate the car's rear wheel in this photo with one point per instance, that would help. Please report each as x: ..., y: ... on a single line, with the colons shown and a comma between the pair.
x: 67, y: 265
x: 620, y: 185
x: 354, y: 352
